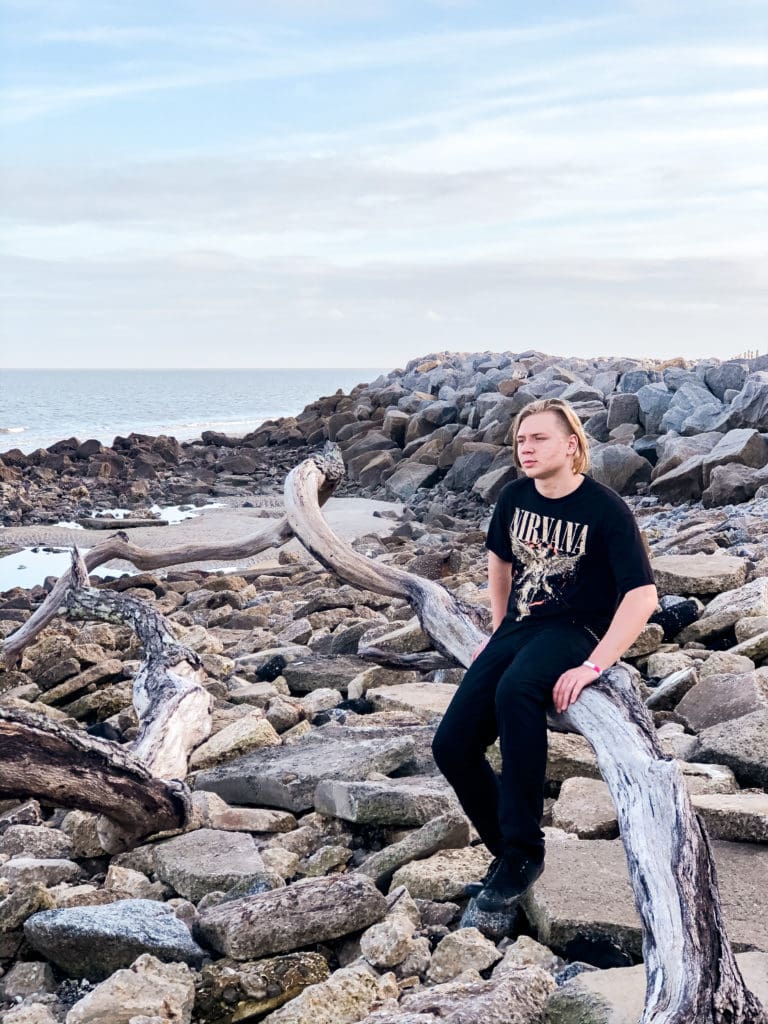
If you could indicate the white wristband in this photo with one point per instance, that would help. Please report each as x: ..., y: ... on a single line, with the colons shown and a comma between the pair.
x: 593, y: 666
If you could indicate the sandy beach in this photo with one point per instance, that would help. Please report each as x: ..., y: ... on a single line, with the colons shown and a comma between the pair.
x: 349, y: 517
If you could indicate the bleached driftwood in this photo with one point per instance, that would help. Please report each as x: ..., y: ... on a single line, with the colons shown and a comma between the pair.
x: 274, y: 535
x: 692, y: 976
x: 454, y: 626
x: 137, y: 788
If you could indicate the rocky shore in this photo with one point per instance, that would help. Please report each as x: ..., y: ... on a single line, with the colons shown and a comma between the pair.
x: 322, y: 880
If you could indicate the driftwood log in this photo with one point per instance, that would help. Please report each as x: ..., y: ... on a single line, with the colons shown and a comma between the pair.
x: 137, y: 788
x: 274, y: 535
x: 692, y: 975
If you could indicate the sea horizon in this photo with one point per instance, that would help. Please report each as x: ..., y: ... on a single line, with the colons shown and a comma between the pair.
x: 40, y: 407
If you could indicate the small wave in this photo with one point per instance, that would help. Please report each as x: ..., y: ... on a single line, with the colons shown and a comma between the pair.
x: 12, y: 430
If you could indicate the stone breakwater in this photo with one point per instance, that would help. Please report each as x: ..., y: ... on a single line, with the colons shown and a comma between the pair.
x: 676, y: 431
x: 321, y: 877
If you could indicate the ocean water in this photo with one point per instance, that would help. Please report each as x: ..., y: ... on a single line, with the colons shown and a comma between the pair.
x: 38, y: 407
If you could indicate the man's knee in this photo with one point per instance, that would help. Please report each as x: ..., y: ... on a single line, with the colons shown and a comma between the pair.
x: 444, y: 748
x: 516, y: 692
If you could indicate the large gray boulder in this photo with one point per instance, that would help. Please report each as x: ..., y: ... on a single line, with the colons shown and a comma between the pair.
x: 723, y: 377
x: 209, y: 860
x: 721, y: 698
x: 287, y: 776
x: 407, y: 802
x: 683, y: 483
x: 685, y: 401
x: 290, y: 918
x: 409, y: 477
x: 750, y: 407
x: 742, y: 744
x: 730, y: 485
x: 433, y: 416
x: 744, y: 446
x: 698, y: 574
x: 620, y: 468
x: 622, y: 408
x: 726, y: 609
x: 654, y: 400
x: 93, y: 942
x: 468, y: 468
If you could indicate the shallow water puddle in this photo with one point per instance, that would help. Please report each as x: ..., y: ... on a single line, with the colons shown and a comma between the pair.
x: 30, y: 566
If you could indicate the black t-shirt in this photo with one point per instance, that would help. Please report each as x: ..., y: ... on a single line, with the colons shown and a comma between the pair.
x: 573, y: 558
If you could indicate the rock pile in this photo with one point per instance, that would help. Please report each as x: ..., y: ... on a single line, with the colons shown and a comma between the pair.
x: 321, y: 878
x: 681, y: 431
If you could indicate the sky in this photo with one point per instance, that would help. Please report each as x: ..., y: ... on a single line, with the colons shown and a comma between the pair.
x: 302, y: 183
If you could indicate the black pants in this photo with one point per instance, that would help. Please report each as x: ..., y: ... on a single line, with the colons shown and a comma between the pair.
x: 506, y: 693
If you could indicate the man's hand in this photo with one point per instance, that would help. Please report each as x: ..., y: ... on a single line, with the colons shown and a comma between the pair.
x: 570, y: 684
x: 478, y: 650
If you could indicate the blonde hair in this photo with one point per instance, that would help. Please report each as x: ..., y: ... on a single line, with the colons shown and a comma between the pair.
x: 569, y: 420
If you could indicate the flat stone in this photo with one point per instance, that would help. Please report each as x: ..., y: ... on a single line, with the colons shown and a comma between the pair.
x: 208, y: 860
x: 754, y: 647
x: 408, y: 802
x: 306, y: 674
x: 721, y: 698
x: 584, y: 897
x: 697, y: 574
x: 672, y: 689
x: 737, y: 816
x: 93, y: 942
x: 701, y: 779
x: 49, y: 871
x: 292, y: 917
x: 726, y: 609
x: 251, y: 732
x: 409, y: 477
x: 215, y: 813
x: 617, y: 995
x: 445, y: 832
x: 570, y: 756
x: 444, y: 875
x: 287, y: 776
x: 727, y: 663
x: 426, y: 699
x: 585, y: 807
x: 741, y: 744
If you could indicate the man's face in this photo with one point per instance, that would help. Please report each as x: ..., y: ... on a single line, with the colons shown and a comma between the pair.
x: 543, y: 446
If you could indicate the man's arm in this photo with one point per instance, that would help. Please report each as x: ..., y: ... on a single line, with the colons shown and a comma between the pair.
x: 627, y: 624
x: 499, y: 586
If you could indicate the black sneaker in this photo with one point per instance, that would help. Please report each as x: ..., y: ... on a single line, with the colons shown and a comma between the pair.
x: 509, y: 882
x: 475, y: 888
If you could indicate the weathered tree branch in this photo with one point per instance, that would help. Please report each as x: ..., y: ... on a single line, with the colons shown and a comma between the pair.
x: 137, y: 789
x: 69, y: 768
x: 454, y: 626
x: 692, y: 976
x: 273, y: 535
